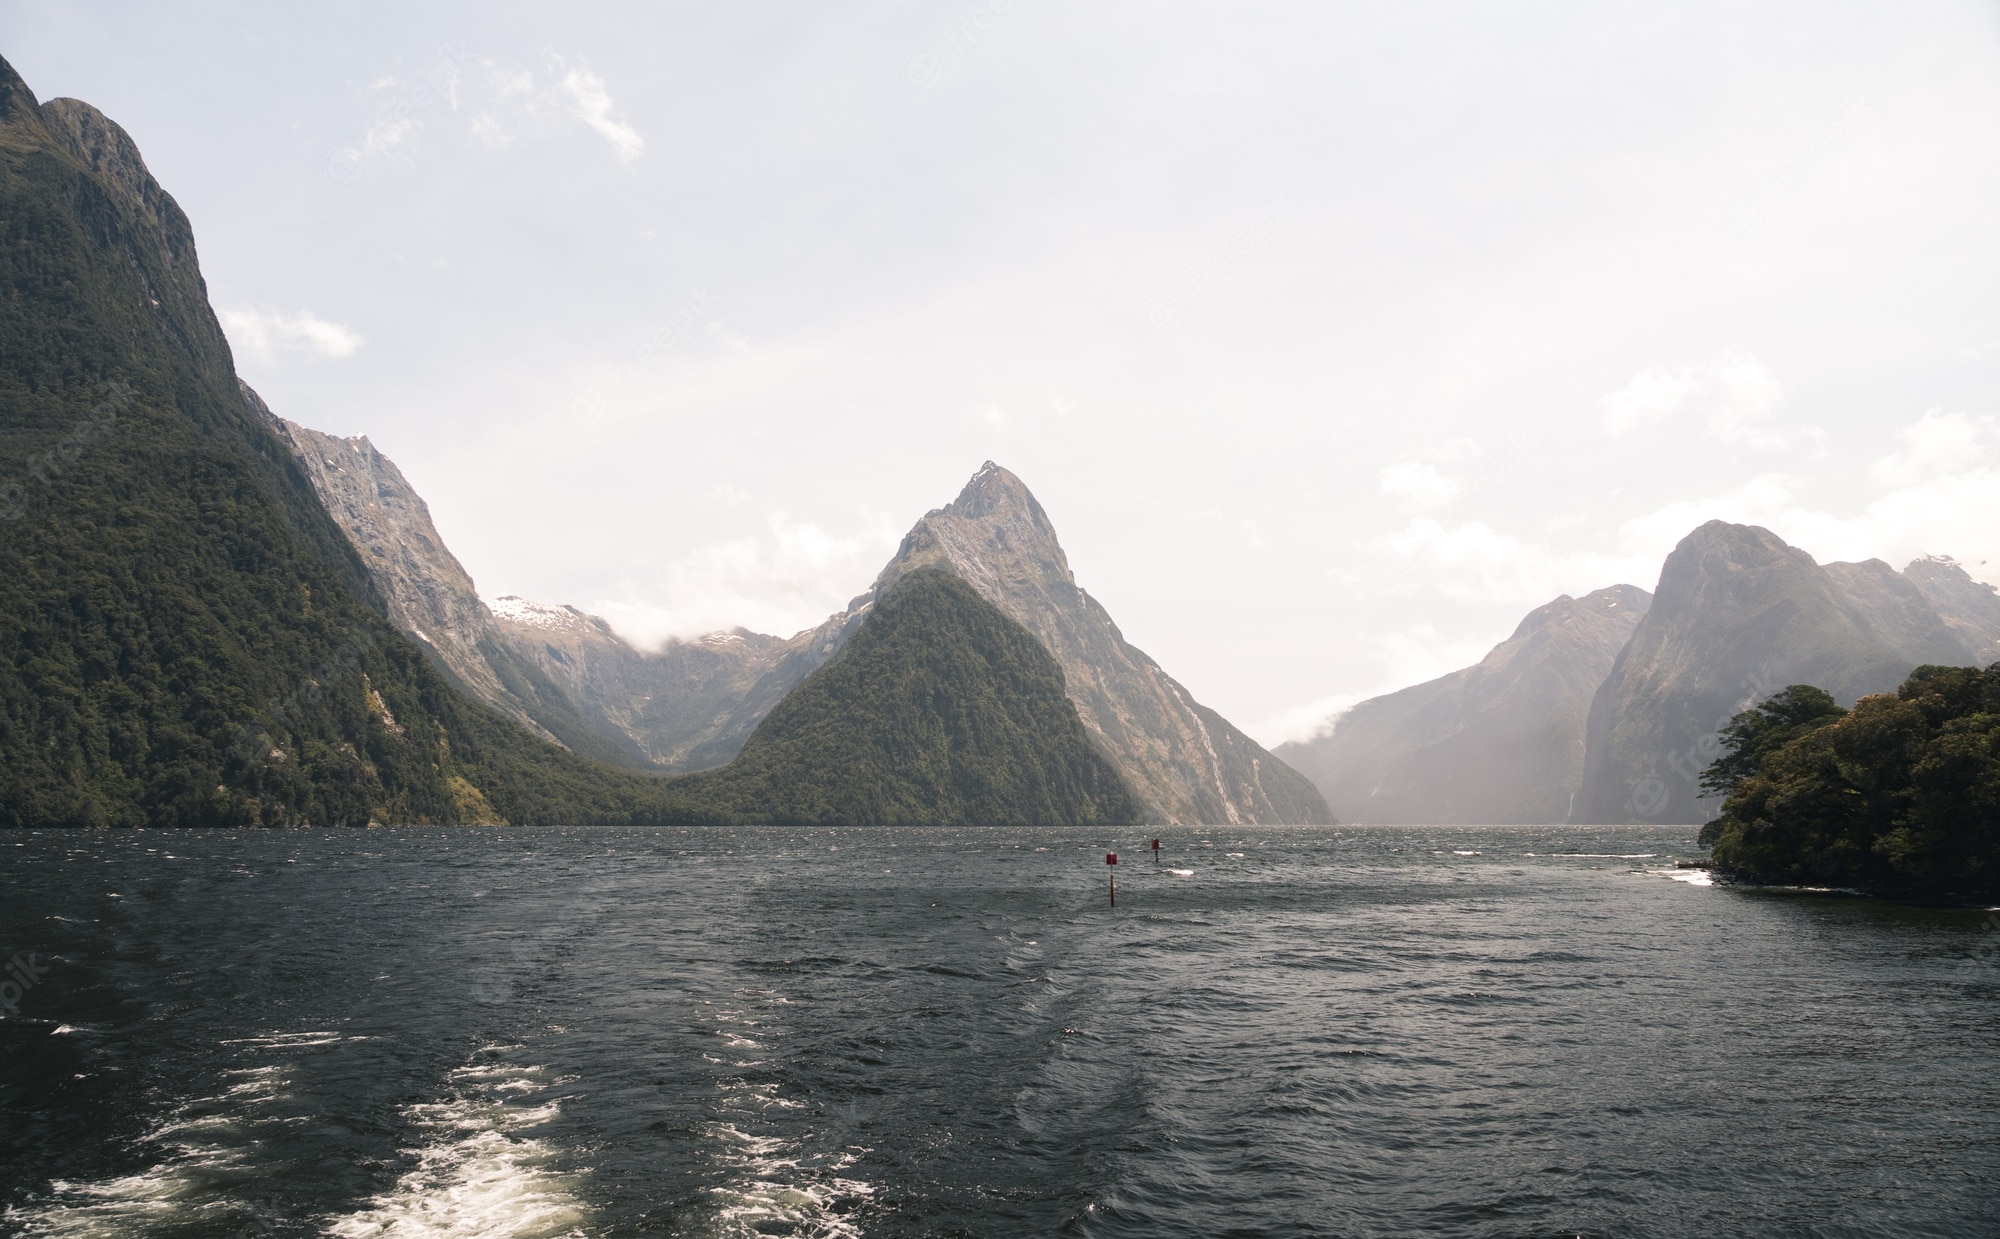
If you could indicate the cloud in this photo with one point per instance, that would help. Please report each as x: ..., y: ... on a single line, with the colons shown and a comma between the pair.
x: 783, y: 580
x: 267, y: 333
x: 1735, y: 393
x: 591, y: 104
x: 1938, y: 444
x: 1474, y: 562
x: 387, y: 134
x: 1934, y: 495
x: 1421, y: 486
x: 1410, y: 656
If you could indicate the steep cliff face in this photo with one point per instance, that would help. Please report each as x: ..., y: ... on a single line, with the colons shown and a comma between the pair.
x: 1188, y: 762
x: 1498, y: 742
x: 427, y: 593
x: 1738, y: 615
x: 186, y: 638
x: 1971, y: 609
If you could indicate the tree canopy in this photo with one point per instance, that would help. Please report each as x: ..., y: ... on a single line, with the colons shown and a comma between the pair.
x: 1900, y: 795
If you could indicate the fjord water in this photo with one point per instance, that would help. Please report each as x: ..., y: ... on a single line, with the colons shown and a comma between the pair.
x: 1505, y: 1031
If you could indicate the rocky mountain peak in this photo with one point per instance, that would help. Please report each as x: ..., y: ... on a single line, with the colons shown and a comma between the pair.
x: 102, y: 145
x: 1189, y: 763
x: 1970, y: 607
x: 17, y: 102
x: 519, y: 610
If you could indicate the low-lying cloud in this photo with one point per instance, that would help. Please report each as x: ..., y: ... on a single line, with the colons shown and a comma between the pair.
x: 268, y: 333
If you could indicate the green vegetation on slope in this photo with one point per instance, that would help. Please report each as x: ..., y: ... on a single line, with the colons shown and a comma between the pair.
x: 1900, y: 795
x: 185, y: 636
x: 940, y: 710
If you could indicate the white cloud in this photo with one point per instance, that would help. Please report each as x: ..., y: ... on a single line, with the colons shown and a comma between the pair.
x: 1475, y: 562
x: 1938, y: 444
x: 1421, y: 486
x: 387, y: 134
x: 784, y: 580
x: 267, y: 333
x: 1935, y: 495
x: 1735, y: 394
x: 591, y: 104
x: 1406, y: 657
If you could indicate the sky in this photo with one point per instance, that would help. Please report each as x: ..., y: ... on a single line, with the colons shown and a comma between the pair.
x: 1332, y: 337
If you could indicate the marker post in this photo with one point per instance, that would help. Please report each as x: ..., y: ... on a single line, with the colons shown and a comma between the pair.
x: 1111, y: 859
x: 1156, y: 851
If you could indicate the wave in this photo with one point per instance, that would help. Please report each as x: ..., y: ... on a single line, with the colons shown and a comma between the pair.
x: 476, y: 1176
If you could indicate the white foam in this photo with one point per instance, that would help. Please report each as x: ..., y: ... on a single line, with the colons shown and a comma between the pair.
x: 775, y: 1186
x: 180, y: 1190
x: 1693, y: 877
x: 1182, y: 873
x: 476, y: 1177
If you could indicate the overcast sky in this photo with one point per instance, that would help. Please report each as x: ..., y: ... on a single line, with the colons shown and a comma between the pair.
x: 1332, y: 337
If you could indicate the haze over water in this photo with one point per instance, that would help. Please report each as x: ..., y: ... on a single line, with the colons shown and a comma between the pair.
x: 1505, y: 1031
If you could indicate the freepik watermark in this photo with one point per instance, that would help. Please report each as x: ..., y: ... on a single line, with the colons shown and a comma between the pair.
x: 1651, y: 793
x: 695, y: 308
x: 23, y: 973
x: 254, y: 745
x: 45, y: 467
x: 926, y: 68
x: 537, y: 950
x: 1201, y: 280
x: 397, y: 122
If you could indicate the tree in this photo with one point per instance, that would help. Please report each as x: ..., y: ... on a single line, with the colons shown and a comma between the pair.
x: 1901, y: 795
x: 1763, y: 728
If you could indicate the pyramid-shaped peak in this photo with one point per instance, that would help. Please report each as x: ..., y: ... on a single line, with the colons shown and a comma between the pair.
x: 994, y: 491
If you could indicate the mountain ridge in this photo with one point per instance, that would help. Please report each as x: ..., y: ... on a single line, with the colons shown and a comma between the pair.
x: 1499, y: 742
x: 1739, y: 614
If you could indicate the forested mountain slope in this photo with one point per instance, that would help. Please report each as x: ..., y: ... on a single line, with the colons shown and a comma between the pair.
x: 185, y: 636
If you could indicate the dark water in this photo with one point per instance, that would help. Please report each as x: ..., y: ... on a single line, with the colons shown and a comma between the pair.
x: 1441, y: 1031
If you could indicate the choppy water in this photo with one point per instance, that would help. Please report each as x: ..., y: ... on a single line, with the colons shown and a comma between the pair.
x: 1326, y: 1031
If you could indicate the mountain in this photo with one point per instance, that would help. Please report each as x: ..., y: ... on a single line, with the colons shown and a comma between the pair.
x: 1737, y: 616
x: 1969, y: 608
x: 188, y: 639
x: 939, y: 711
x: 689, y: 705
x: 1498, y: 742
x: 556, y: 670
x: 1183, y: 759
x: 692, y: 704
x: 428, y: 593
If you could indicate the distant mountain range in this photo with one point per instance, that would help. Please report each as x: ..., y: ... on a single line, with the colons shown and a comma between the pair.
x: 1738, y: 615
x: 1498, y: 742
x: 693, y: 704
x: 215, y: 616
x: 1606, y: 708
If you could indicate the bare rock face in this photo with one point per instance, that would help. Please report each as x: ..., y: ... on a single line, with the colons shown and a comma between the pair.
x: 554, y: 669
x: 1970, y: 608
x: 1738, y: 615
x: 427, y: 593
x: 1188, y: 762
x: 1499, y: 742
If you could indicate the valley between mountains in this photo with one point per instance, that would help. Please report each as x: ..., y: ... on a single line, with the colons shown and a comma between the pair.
x: 216, y: 616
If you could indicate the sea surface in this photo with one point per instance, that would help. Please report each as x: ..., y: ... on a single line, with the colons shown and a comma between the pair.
x: 1499, y: 1031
